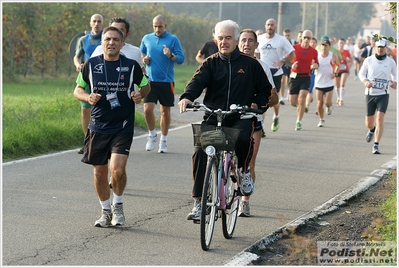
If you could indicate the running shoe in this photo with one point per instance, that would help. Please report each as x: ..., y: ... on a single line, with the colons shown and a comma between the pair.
x: 105, y: 219
x: 81, y: 150
x: 282, y: 102
x: 150, y: 142
x: 275, y: 124
x: 163, y: 148
x: 243, y: 210
x: 263, y: 134
x: 369, y: 136
x: 321, y: 123
x: 195, y: 213
x: 338, y: 103
x: 329, y: 110
x: 306, y: 108
x: 298, y: 126
x: 341, y: 103
x: 118, y: 218
x: 247, y: 184
x: 376, y: 150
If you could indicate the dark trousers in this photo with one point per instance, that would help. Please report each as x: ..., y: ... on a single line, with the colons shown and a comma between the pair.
x: 243, y: 150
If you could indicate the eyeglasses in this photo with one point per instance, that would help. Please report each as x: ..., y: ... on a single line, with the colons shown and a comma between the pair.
x: 306, y: 37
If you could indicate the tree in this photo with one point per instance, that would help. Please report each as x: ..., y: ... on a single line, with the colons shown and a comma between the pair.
x: 392, y: 10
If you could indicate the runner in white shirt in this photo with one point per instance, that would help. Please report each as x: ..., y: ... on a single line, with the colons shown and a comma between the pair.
x: 275, y: 50
x: 378, y: 73
x: 324, y: 80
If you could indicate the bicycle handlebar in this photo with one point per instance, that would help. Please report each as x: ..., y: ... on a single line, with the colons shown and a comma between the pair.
x: 234, y: 108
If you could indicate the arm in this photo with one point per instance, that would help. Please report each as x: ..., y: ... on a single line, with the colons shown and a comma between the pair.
x: 362, y: 74
x: 199, y: 57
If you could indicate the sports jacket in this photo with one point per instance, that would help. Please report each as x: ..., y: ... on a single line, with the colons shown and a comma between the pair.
x: 239, y: 79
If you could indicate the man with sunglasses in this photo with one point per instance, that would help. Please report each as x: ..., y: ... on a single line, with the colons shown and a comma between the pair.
x: 305, y: 60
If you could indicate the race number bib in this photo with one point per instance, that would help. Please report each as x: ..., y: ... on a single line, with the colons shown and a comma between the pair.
x: 379, y: 83
x: 342, y: 66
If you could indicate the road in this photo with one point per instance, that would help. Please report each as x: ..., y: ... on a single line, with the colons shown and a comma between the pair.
x: 49, y: 203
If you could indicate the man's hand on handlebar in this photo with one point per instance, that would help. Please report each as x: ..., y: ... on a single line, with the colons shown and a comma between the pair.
x: 183, y: 105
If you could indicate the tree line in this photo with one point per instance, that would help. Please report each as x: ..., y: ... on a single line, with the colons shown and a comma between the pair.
x: 36, y: 36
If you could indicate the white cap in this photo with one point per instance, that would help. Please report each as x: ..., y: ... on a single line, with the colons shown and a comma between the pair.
x: 381, y: 43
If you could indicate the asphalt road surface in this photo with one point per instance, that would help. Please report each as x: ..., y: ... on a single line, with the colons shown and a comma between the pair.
x: 49, y: 203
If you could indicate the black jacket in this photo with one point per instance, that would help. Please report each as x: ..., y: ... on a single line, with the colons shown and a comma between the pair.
x: 239, y: 79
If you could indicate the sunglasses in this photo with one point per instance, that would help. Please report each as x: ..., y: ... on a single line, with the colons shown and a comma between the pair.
x: 306, y: 37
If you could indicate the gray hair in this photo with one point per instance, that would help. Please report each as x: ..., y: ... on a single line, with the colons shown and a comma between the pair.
x: 228, y: 24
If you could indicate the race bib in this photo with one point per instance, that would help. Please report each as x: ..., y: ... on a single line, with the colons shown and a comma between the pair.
x: 379, y: 83
x: 342, y: 67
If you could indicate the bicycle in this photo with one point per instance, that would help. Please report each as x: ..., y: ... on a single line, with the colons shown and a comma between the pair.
x: 222, y: 183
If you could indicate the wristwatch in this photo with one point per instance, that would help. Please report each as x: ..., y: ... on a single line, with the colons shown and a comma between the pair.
x: 171, y: 55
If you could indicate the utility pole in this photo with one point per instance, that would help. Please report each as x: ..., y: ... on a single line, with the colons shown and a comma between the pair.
x: 303, y: 15
x: 316, y: 23
x: 279, y: 17
x: 220, y: 11
x: 326, y: 24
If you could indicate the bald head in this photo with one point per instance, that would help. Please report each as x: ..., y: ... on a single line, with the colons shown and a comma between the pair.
x: 270, y: 27
x: 96, y: 23
x: 159, y: 25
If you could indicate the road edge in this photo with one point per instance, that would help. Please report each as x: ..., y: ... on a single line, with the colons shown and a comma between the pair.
x: 247, y: 256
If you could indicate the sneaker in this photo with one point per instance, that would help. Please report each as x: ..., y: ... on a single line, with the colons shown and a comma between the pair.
x: 81, y: 150
x: 263, y: 134
x: 376, y: 150
x: 243, y: 210
x: 150, y: 142
x: 276, y: 124
x: 317, y: 113
x: 105, y: 219
x: 329, y: 110
x: 163, y: 148
x: 195, y: 213
x: 321, y: 123
x: 338, y: 103
x: 341, y: 103
x: 282, y: 102
x: 298, y: 126
x: 118, y: 218
x: 306, y: 108
x: 369, y: 136
x: 247, y: 184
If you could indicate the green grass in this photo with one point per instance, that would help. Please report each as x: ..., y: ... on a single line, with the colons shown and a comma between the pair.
x: 41, y: 115
x: 387, y: 230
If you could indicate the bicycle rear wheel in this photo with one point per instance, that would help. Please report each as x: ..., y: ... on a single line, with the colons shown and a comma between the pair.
x: 229, y: 216
x: 209, y: 204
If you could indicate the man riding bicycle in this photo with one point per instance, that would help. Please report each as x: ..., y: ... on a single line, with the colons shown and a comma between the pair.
x: 229, y: 77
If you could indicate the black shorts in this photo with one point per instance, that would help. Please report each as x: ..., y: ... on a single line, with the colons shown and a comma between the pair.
x: 286, y: 69
x: 164, y: 92
x: 376, y: 103
x: 299, y: 83
x: 339, y: 74
x: 325, y: 89
x: 277, y: 82
x: 99, y: 147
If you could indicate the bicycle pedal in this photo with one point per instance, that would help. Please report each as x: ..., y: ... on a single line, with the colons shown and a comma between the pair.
x: 196, y: 221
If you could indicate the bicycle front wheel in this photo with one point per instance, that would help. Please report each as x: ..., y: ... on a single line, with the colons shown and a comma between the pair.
x: 229, y: 216
x: 209, y: 204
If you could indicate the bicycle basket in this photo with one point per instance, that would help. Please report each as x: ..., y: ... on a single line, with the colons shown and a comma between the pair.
x: 205, y: 135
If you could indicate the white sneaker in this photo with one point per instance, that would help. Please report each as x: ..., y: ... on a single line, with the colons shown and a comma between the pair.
x: 329, y: 110
x: 150, y: 142
x: 163, y: 148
